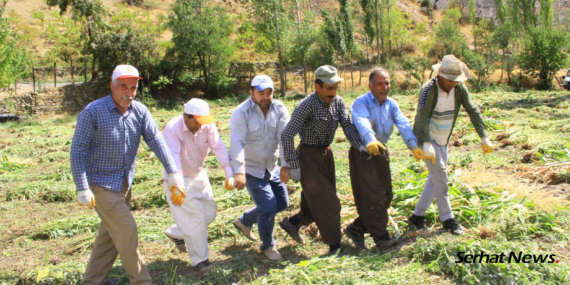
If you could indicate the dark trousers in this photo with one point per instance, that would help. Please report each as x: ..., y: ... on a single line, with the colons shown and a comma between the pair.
x: 372, y: 189
x: 319, y: 202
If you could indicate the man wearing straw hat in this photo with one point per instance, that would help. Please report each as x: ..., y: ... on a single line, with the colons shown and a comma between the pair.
x: 189, y: 137
x: 439, y: 103
x: 316, y: 120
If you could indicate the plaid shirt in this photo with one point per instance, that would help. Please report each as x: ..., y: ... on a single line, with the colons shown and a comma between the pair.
x: 316, y: 124
x: 106, y: 143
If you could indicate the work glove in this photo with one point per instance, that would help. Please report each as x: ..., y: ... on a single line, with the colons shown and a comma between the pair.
x: 176, y: 186
x: 418, y: 153
x: 429, y: 153
x: 486, y: 145
x: 295, y: 174
x: 86, y: 198
x: 374, y: 147
x: 229, y: 184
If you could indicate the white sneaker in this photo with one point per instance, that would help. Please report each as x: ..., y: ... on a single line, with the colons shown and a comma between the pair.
x: 180, y: 244
x: 272, y: 254
x: 246, y: 231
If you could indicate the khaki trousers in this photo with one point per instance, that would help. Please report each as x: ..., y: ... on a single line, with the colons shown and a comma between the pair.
x: 117, y: 235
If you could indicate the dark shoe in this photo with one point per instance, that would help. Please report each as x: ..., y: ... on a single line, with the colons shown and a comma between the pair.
x: 385, y: 241
x: 339, y: 252
x: 204, y: 267
x: 417, y: 222
x: 180, y: 244
x: 114, y: 281
x: 291, y: 229
x: 452, y: 226
x: 356, y: 235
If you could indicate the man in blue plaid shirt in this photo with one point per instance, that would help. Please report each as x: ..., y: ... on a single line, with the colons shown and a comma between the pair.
x: 103, y: 156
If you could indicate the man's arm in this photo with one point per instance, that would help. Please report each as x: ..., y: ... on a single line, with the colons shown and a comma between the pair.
x: 156, y: 143
x: 238, y: 133
x: 422, y: 119
x: 220, y: 150
x: 404, y: 127
x: 361, y: 120
x: 473, y: 111
x: 284, y: 119
x: 298, y: 118
x: 174, y: 145
x: 348, y: 128
x: 79, y: 147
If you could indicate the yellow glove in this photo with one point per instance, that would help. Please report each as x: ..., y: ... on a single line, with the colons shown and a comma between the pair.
x: 486, y: 145
x: 175, y: 197
x: 374, y: 147
x: 429, y: 153
x: 86, y: 198
x: 229, y: 184
x: 418, y: 153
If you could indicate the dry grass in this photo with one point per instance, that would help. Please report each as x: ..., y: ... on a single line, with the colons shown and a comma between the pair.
x: 543, y: 200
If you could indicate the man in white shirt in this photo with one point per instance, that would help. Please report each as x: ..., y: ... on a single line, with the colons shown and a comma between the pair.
x: 189, y: 136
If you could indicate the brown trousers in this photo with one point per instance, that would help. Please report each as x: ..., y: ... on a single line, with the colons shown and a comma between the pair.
x: 319, y: 202
x: 372, y: 189
x: 117, y: 235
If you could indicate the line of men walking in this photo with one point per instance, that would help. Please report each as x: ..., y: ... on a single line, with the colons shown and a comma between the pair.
x: 107, y: 136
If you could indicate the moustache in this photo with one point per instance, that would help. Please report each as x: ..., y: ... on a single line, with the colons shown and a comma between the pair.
x: 127, y: 98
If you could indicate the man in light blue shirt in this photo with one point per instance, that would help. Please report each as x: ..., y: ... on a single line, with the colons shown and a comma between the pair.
x: 374, y: 115
x: 255, y: 145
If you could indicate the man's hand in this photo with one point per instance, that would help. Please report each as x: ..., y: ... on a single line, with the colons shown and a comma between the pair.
x: 486, y: 145
x: 239, y: 180
x: 86, y: 198
x: 176, y: 183
x: 429, y: 152
x: 295, y: 174
x: 284, y: 176
x: 374, y: 147
x: 418, y: 153
x: 229, y: 184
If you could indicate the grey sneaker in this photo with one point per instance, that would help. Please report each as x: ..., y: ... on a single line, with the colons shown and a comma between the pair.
x: 385, y: 241
x: 245, y: 230
x: 180, y: 244
x: 204, y: 267
x: 356, y: 235
x: 291, y: 229
x: 272, y: 254
x: 452, y: 226
x: 114, y: 281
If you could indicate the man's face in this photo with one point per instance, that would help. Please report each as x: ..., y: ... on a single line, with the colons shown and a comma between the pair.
x: 446, y: 84
x: 124, y: 93
x: 327, y: 92
x: 380, y: 87
x: 192, y: 124
x: 262, y: 98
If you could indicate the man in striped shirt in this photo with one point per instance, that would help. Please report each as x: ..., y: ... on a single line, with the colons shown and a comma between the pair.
x: 316, y: 119
x: 438, y: 107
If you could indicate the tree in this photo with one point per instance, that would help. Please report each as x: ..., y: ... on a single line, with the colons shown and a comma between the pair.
x: 505, y: 36
x: 462, y: 5
x: 67, y: 43
x: 303, y: 36
x: 368, y: 20
x: 200, y: 38
x: 449, y: 37
x: 14, y: 62
x: 473, y: 20
x: 544, y: 52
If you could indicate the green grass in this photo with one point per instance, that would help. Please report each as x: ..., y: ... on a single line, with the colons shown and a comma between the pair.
x: 47, y: 237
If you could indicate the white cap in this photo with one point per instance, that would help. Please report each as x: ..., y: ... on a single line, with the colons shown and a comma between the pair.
x: 262, y: 82
x: 125, y: 71
x: 200, y: 110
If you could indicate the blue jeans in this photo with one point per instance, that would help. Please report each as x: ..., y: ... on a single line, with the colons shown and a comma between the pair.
x: 270, y: 197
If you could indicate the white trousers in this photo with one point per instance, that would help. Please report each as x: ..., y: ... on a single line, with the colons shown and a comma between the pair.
x: 436, y: 185
x: 197, y: 211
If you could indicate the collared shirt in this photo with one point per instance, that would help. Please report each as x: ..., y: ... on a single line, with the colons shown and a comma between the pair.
x: 316, y: 124
x: 441, y: 121
x: 106, y: 142
x: 189, y: 150
x: 255, y: 139
x: 376, y: 122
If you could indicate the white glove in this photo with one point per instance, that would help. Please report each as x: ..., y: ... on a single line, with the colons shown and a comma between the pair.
x: 229, y: 184
x: 486, y: 145
x: 429, y: 152
x: 86, y: 198
x: 295, y: 174
x: 176, y: 182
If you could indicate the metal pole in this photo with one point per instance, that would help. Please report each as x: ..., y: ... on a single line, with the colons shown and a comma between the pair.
x: 34, y: 76
x: 54, y: 75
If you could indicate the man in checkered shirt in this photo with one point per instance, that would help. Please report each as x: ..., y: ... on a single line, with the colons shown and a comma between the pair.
x: 103, y: 155
x: 316, y: 120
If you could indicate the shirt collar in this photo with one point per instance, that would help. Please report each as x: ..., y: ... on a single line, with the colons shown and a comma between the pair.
x: 186, y: 129
x: 320, y: 100
x: 375, y: 101
x: 111, y: 105
x: 252, y: 104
